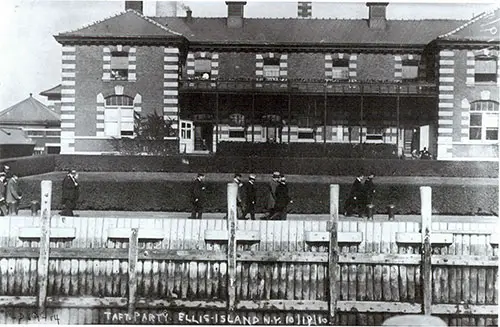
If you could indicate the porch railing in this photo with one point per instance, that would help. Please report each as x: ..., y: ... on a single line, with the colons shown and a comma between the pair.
x: 311, y: 86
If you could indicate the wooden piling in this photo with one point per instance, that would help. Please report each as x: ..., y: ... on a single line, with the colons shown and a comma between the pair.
x: 133, y: 253
x: 232, y: 190
x: 43, y: 260
x: 333, y: 257
x: 426, y: 212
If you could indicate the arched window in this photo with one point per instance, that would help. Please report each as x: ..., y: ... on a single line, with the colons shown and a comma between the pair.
x: 119, y: 116
x: 483, y: 123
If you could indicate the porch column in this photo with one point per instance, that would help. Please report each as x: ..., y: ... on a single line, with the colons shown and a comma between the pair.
x: 324, y: 116
x: 216, y: 113
x: 397, y: 123
x: 289, y: 114
x: 361, y: 116
x: 253, y: 117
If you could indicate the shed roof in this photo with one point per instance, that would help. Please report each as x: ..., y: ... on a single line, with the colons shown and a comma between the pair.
x: 29, y: 111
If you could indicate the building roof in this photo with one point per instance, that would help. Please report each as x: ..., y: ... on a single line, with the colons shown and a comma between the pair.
x: 129, y: 24
x: 312, y: 31
x: 483, y: 27
x: 56, y: 90
x: 14, y: 135
x: 265, y: 31
x: 28, y: 112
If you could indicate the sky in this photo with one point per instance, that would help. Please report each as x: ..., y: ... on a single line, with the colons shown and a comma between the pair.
x: 30, y: 57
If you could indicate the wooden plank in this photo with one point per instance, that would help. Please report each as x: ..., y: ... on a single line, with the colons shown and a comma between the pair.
x: 123, y: 234
x: 415, y: 238
x: 43, y: 261
x: 466, y: 273
x: 369, y: 291
x: 56, y: 233
x: 283, y: 305
x: 426, y: 211
x: 232, y: 190
x: 464, y: 260
x: 375, y: 306
x: 343, y: 237
x: 386, y: 269
x: 394, y: 269
x: 333, y: 253
x: 464, y: 309
x: 132, y: 271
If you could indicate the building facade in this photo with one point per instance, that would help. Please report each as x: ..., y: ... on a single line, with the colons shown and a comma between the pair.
x: 412, y: 84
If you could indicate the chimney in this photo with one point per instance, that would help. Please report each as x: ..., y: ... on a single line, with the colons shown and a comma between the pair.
x: 235, y: 13
x: 377, y: 17
x: 189, y: 15
x: 166, y: 8
x: 304, y: 9
x: 135, y: 5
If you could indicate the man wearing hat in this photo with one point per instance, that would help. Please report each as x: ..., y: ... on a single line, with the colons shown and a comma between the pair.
x: 198, y: 196
x: 3, y: 203
x: 282, y: 200
x: 271, y: 200
x: 250, y: 198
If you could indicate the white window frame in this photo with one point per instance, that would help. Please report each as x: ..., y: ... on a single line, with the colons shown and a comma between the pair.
x: 494, y: 72
x: 200, y: 70
x: 409, y: 70
x: 340, y: 69
x: 114, y: 70
x: 271, y: 71
x: 123, y: 117
x: 489, y: 113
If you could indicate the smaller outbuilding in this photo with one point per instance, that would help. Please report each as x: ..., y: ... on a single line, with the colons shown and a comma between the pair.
x: 15, y: 143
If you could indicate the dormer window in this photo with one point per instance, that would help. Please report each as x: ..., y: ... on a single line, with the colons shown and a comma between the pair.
x: 271, y: 68
x: 410, y: 69
x: 202, y: 68
x: 485, y: 69
x: 119, y: 65
x: 340, y: 69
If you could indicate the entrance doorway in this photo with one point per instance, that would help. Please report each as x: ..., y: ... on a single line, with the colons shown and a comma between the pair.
x: 203, y: 136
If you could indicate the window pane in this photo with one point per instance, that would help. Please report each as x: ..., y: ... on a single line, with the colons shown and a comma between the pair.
x: 486, y: 66
x: 340, y: 72
x: 490, y: 120
x: 202, y: 65
x: 492, y: 133
x: 476, y: 120
x: 410, y: 72
x: 119, y: 62
x: 475, y: 133
x: 111, y: 128
x: 271, y: 71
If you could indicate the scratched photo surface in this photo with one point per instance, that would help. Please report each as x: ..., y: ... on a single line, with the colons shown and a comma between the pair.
x: 249, y: 163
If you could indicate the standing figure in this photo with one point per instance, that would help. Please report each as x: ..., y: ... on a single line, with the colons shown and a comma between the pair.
x: 13, y: 195
x: 70, y: 193
x: 239, y: 202
x: 198, y: 196
x: 282, y: 200
x: 355, y: 200
x: 250, y: 198
x: 3, y: 191
x: 369, y: 189
x: 271, y: 200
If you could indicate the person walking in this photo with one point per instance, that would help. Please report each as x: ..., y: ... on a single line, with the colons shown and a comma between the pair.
x: 282, y: 200
x: 3, y: 190
x: 198, y: 196
x: 369, y: 192
x: 70, y: 193
x: 250, y: 198
x: 13, y: 195
x: 355, y: 198
x: 271, y: 199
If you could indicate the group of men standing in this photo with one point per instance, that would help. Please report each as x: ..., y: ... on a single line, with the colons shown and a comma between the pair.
x: 10, y: 195
x: 246, y: 198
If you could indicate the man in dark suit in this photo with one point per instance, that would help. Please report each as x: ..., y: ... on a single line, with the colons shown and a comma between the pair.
x: 250, y: 198
x: 355, y: 200
x: 282, y: 200
x: 198, y: 196
x: 70, y: 193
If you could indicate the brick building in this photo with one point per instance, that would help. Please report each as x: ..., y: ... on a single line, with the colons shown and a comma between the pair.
x: 410, y: 83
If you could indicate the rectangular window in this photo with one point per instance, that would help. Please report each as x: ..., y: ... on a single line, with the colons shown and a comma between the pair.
x: 483, y: 121
x: 306, y: 135
x: 119, y: 66
x: 485, y: 69
x: 271, y: 68
x: 118, y: 122
x: 340, y: 69
x: 374, y: 134
x: 203, y: 68
x: 410, y: 69
x: 236, y: 134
